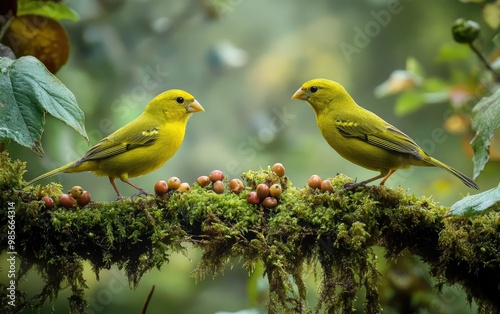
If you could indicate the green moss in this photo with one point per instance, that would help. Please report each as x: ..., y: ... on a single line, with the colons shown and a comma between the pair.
x: 336, y: 229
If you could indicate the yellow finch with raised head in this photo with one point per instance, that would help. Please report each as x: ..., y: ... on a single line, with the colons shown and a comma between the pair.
x: 361, y: 136
x: 142, y: 145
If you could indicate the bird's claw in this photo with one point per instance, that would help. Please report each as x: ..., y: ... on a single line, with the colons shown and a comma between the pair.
x: 141, y: 192
x: 353, y: 185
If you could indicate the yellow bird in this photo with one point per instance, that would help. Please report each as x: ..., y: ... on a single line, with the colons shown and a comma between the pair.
x: 361, y: 136
x: 142, y: 145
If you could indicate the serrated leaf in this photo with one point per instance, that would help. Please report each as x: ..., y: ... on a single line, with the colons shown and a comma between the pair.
x: 485, y: 119
x: 53, y: 10
x: 27, y: 91
x: 476, y: 204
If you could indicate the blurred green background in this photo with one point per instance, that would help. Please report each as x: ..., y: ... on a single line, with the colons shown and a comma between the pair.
x: 243, y: 60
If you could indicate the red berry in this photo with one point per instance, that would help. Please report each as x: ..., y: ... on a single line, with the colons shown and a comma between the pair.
x: 279, y: 169
x: 314, y: 182
x: 270, y: 202
x: 275, y: 190
x: 262, y: 190
x: 49, y: 202
x: 174, y: 183
x: 66, y: 201
x: 216, y: 175
x: 76, y: 192
x: 218, y: 187
x: 236, y: 186
x: 253, y: 198
x: 203, y: 181
x: 161, y: 187
x: 184, y: 187
x: 326, y: 185
x: 84, y: 199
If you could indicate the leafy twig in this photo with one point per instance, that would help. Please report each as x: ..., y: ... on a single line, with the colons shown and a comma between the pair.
x: 484, y: 61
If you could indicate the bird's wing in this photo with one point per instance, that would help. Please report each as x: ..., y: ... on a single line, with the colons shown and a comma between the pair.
x: 385, y: 136
x: 114, y: 145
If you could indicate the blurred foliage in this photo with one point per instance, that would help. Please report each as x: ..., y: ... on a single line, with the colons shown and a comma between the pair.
x: 244, y: 70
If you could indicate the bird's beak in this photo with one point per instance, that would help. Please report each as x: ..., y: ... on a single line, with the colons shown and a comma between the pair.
x: 300, y: 94
x: 194, y: 107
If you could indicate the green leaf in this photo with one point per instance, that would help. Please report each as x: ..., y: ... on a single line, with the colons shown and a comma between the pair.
x: 452, y: 52
x: 476, y: 204
x: 485, y: 119
x: 413, y: 66
x: 27, y: 91
x: 409, y: 102
x: 53, y: 10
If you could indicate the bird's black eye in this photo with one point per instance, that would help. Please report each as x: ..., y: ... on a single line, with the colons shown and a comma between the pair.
x: 179, y: 100
x: 313, y: 89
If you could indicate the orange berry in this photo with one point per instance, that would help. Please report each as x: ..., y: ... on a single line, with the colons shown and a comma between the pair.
x: 262, y: 190
x: 84, y: 199
x: 161, y: 187
x: 76, y: 192
x: 253, y: 198
x: 236, y: 186
x: 66, y: 201
x: 314, y: 182
x: 49, y: 202
x: 216, y: 175
x: 279, y: 169
x: 275, y: 190
x: 203, y: 181
x: 218, y: 187
x: 174, y: 183
x: 270, y: 202
x: 326, y: 185
x: 184, y: 187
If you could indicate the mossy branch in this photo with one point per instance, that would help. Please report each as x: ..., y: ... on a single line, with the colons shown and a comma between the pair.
x: 337, y: 230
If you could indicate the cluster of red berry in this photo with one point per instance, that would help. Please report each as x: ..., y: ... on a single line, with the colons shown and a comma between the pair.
x: 268, y: 194
x: 215, y: 181
x: 316, y: 183
x: 76, y: 196
x: 173, y: 184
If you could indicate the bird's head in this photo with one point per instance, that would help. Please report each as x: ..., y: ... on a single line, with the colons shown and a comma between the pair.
x: 319, y: 93
x: 173, y: 105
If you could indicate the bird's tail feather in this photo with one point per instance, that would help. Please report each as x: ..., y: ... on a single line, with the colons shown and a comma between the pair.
x: 465, y: 179
x: 52, y: 173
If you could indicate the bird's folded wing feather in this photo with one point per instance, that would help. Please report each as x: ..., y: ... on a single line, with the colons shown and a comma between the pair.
x: 386, y: 136
x: 114, y: 145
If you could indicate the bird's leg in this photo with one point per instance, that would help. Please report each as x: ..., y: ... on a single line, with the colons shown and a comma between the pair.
x: 141, y: 190
x: 118, y: 195
x: 352, y: 186
x: 390, y: 173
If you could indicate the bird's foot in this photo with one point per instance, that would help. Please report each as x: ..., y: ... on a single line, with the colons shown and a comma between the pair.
x: 119, y: 197
x: 141, y: 192
x: 353, y: 185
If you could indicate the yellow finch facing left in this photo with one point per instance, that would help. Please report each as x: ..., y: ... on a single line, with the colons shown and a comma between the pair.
x: 142, y: 145
x: 361, y: 136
